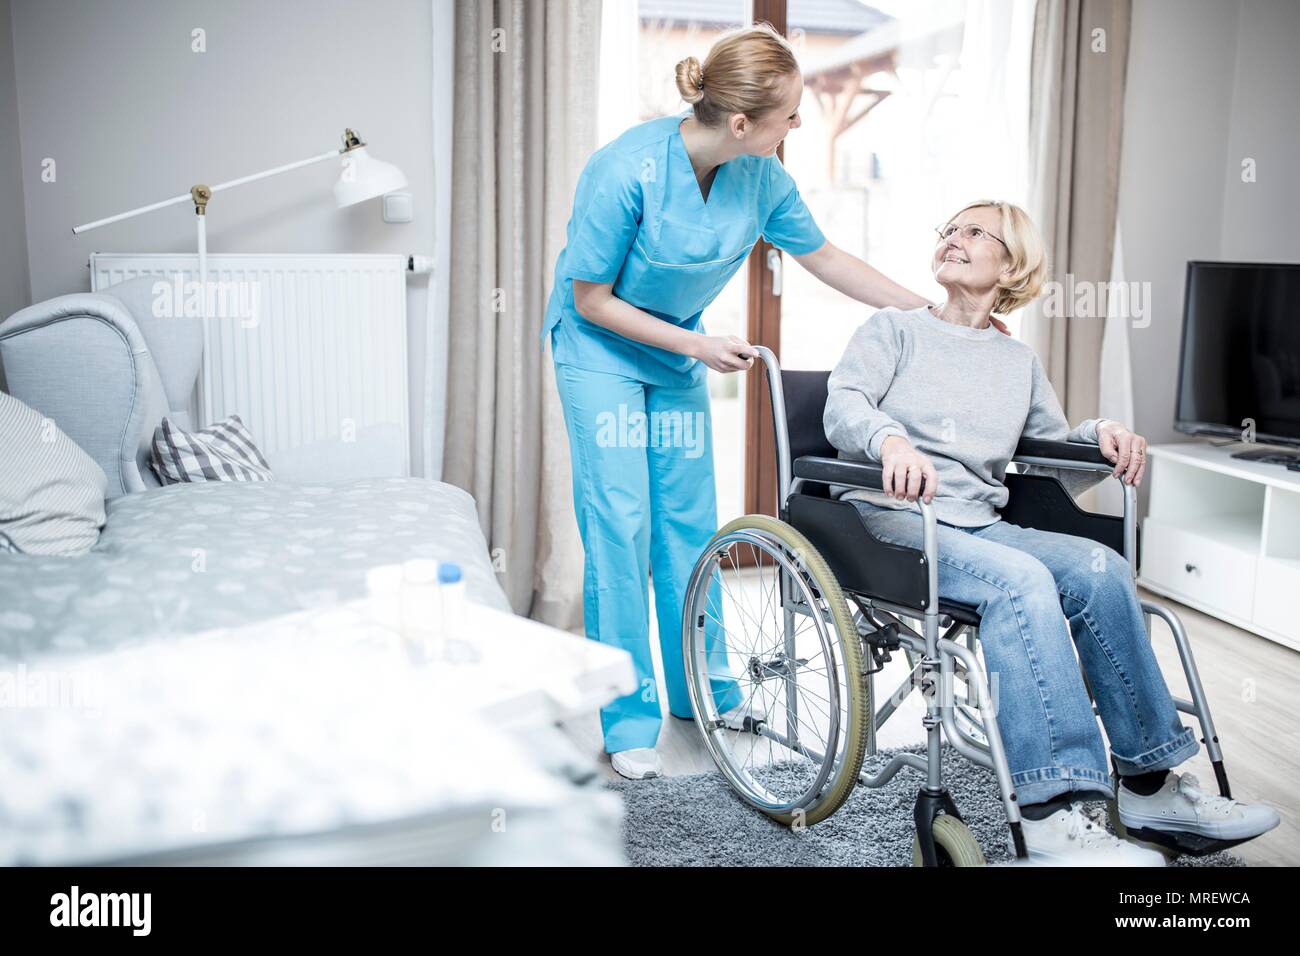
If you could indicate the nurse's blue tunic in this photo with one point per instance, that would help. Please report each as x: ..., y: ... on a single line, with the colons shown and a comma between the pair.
x: 640, y: 221
x: 645, y: 510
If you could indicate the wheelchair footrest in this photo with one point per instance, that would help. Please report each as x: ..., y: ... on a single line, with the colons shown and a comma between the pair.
x: 1191, y: 844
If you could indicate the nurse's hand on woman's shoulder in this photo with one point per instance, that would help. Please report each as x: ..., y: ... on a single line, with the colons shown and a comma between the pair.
x: 724, y: 353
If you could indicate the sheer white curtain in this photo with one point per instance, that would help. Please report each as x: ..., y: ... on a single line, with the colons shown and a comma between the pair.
x: 1115, y: 395
x: 994, y: 102
x: 994, y: 96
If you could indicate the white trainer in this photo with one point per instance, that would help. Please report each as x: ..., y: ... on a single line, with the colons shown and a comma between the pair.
x: 638, y: 763
x: 1182, y: 805
x: 1078, y: 837
x: 734, y: 719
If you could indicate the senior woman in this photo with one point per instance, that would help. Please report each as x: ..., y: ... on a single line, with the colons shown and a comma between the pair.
x: 941, y: 397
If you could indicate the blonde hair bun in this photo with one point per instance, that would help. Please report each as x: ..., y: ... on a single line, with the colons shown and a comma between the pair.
x: 745, y: 68
x: 690, y: 80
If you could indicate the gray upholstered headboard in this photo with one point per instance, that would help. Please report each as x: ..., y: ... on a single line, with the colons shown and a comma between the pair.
x: 106, y: 370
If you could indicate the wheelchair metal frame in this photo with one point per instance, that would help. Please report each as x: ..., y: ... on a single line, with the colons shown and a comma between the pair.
x: 881, y: 628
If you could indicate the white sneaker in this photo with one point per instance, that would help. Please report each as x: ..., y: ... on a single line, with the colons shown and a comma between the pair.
x: 1078, y: 837
x: 734, y: 719
x: 1181, y: 805
x: 638, y: 763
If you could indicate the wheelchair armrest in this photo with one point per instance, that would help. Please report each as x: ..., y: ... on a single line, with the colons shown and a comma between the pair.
x: 840, y: 471
x: 1066, y: 451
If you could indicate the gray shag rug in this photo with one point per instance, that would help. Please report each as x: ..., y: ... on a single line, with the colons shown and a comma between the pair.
x: 698, y: 820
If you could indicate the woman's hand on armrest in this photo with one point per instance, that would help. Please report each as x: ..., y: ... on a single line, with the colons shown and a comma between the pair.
x: 906, y: 471
x: 1128, y: 450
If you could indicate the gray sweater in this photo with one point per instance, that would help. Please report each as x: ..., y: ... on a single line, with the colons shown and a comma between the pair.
x: 962, y: 396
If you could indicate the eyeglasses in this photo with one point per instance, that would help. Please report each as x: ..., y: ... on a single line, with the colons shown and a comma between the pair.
x: 969, y: 231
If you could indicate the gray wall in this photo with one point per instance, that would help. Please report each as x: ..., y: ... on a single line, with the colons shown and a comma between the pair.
x: 113, y: 93
x: 14, y: 291
x: 1209, y: 83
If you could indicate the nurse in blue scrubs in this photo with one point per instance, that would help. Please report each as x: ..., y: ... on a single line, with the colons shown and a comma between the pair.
x: 663, y: 216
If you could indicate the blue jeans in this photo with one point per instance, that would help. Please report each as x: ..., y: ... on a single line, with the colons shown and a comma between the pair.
x: 1027, y: 584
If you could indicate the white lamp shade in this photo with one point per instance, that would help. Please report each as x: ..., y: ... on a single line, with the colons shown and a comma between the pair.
x: 364, y: 177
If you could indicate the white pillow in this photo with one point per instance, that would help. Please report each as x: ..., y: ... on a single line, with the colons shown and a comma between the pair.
x: 51, y: 492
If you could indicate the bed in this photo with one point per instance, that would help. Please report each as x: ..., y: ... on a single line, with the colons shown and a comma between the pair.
x: 186, y: 558
x: 189, y: 557
x: 204, y: 686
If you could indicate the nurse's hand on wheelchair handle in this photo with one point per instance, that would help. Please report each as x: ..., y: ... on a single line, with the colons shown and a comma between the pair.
x: 906, y: 471
x: 725, y: 353
x: 1126, y: 449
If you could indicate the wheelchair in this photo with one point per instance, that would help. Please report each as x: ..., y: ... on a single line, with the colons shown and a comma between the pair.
x: 808, y: 658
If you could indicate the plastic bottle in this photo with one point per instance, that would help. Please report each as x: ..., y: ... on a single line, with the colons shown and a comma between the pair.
x: 451, y: 587
x: 421, y: 615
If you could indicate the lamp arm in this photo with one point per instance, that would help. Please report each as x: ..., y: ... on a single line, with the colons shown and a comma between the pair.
x: 332, y: 154
x: 187, y: 197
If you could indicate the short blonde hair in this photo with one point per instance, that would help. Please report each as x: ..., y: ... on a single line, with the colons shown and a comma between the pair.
x: 741, y: 74
x: 1028, y: 255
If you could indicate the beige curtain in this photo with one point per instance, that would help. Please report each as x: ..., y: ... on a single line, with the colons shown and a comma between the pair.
x: 523, y: 126
x: 1075, y: 120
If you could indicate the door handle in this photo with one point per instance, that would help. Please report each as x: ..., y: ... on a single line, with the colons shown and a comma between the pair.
x: 774, y: 266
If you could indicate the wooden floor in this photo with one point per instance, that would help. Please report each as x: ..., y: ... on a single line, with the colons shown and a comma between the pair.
x: 1252, y: 684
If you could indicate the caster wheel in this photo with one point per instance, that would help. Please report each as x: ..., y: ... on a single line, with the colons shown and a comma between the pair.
x: 953, y: 843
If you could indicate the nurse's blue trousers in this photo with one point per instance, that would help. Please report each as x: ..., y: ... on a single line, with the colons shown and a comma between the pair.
x: 646, y: 507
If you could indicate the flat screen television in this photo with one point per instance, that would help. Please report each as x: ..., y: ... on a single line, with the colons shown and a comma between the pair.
x: 1241, y: 352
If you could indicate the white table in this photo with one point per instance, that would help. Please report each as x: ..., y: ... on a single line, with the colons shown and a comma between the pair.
x: 306, y: 726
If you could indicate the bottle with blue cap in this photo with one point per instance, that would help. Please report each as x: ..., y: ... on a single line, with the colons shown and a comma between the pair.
x: 451, y: 587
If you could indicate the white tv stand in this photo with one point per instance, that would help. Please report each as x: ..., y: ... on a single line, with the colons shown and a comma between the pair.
x: 1222, y: 535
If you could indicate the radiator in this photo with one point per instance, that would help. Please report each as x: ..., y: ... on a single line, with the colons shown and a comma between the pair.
x: 309, y: 350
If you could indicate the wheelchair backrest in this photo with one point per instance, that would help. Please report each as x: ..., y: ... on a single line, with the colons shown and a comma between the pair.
x: 805, y: 403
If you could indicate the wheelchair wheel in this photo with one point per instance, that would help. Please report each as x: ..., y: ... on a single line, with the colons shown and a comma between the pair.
x: 774, y: 667
x: 954, y: 844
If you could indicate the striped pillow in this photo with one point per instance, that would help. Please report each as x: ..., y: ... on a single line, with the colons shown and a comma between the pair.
x: 51, y: 492
x: 220, y: 452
